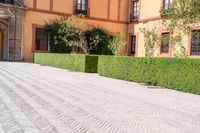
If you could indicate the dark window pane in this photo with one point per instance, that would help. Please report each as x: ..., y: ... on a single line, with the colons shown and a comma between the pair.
x: 167, y: 4
x: 196, y: 42
x: 81, y: 7
x: 165, y: 43
x: 133, y: 44
x: 41, y: 39
x: 135, y: 12
x: 7, y: 1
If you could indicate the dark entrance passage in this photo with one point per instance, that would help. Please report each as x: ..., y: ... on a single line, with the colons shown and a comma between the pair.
x: 1, y: 45
x: 4, y: 41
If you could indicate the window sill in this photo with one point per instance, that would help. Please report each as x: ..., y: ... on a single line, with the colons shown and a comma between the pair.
x: 131, y: 54
x: 40, y: 51
x: 6, y: 4
x: 165, y: 55
x: 81, y: 15
x: 194, y: 56
x: 134, y: 20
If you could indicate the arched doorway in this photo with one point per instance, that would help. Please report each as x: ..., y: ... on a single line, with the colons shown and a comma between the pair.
x: 4, y: 41
x: 11, y: 32
x: 1, y: 45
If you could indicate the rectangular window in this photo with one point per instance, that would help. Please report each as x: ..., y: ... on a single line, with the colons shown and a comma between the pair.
x: 167, y: 4
x: 165, y: 43
x: 133, y: 44
x: 196, y: 42
x: 7, y: 1
x: 135, y: 12
x: 81, y: 7
x: 41, y: 39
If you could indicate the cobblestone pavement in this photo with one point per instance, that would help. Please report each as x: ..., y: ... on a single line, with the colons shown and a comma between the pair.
x: 36, y: 98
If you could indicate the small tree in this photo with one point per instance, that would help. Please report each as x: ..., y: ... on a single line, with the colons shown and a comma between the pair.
x: 71, y: 35
x: 72, y: 32
x: 67, y: 32
x: 116, y: 44
x: 152, y: 40
x: 52, y: 27
x: 98, y: 41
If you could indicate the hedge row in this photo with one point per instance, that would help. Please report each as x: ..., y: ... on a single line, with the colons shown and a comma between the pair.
x: 174, y: 73
x: 75, y: 62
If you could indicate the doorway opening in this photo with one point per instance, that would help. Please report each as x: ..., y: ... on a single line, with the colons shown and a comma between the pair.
x: 1, y: 45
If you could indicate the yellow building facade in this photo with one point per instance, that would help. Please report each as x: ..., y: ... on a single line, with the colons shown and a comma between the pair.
x: 124, y: 16
x: 149, y: 15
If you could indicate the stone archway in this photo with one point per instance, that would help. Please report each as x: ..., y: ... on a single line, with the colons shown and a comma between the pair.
x: 1, y: 45
x: 4, y: 41
x: 11, y: 23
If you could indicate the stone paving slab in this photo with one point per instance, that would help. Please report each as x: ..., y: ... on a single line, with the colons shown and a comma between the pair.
x: 35, y: 98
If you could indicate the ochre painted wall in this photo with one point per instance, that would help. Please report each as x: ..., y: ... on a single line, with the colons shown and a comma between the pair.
x: 111, y: 14
x: 150, y: 16
x: 150, y: 9
x: 114, y: 15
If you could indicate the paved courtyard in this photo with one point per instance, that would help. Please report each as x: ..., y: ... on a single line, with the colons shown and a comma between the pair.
x: 36, y: 98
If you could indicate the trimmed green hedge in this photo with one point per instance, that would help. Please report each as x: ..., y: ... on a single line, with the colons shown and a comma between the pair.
x: 175, y: 73
x: 75, y: 62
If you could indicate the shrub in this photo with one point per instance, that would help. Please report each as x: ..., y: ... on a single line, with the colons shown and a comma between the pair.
x: 175, y: 73
x: 75, y: 62
x: 65, y: 33
x: 117, y: 43
x: 68, y: 33
x: 52, y: 29
x: 98, y: 40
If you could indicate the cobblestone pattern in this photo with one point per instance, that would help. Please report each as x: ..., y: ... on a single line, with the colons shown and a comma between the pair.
x: 56, y: 100
x: 8, y: 123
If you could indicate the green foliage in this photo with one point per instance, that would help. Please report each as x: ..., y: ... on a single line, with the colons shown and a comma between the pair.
x: 183, y: 14
x: 179, y: 20
x: 152, y: 40
x: 91, y: 63
x: 52, y: 28
x: 75, y: 62
x: 175, y: 73
x: 116, y: 43
x: 98, y: 41
x: 179, y: 74
x: 66, y: 33
x: 71, y: 34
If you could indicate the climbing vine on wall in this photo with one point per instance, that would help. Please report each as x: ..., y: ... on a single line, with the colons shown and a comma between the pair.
x: 178, y: 20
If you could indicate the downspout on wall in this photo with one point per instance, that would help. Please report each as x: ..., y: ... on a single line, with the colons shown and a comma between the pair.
x: 127, y: 29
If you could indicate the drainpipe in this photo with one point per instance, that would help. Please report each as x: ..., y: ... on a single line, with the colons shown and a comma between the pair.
x: 127, y: 33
